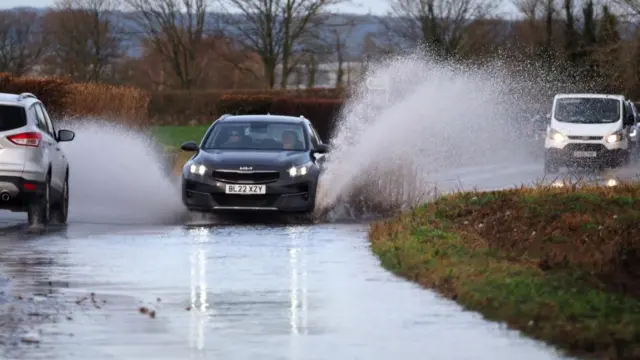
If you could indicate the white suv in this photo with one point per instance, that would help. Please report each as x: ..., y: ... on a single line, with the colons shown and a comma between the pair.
x: 34, y: 171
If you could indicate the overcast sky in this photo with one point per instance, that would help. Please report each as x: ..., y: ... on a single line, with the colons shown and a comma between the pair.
x: 378, y: 7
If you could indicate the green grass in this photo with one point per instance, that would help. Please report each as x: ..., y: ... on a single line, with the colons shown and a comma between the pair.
x: 557, y: 265
x: 173, y: 136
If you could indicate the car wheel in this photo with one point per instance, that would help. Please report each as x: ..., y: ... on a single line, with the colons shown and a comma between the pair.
x: 61, y: 211
x: 39, y: 210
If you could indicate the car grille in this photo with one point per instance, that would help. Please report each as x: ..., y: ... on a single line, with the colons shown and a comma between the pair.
x: 267, y: 200
x: 585, y: 147
x: 246, y: 177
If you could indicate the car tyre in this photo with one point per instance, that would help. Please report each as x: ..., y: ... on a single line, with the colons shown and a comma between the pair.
x: 61, y: 210
x: 39, y: 210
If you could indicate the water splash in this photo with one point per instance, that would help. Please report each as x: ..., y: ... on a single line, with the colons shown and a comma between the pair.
x: 117, y: 175
x: 438, y: 116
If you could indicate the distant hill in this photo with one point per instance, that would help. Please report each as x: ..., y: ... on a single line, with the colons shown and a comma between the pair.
x: 356, y: 31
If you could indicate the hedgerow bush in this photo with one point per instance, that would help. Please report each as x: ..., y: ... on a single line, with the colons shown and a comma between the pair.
x: 198, y: 107
x: 52, y: 92
x: 123, y: 104
x: 62, y: 98
x: 321, y: 112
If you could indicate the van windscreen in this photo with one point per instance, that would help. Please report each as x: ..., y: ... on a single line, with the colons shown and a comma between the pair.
x: 587, y: 110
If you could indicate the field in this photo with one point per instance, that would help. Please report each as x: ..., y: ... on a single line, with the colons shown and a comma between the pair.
x: 173, y: 136
x: 561, y: 265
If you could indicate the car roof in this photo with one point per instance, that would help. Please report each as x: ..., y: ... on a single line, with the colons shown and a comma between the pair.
x: 591, y: 95
x: 265, y: 117
x: 17, y: 99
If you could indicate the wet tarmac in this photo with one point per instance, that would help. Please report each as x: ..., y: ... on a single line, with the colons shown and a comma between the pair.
x: 136, y: 291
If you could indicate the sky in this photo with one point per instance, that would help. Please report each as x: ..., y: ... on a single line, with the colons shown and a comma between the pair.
x: 377, y: 7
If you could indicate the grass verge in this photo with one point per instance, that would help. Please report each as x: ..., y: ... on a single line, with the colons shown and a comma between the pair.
x: 173, y: 136
x: 559, y: 264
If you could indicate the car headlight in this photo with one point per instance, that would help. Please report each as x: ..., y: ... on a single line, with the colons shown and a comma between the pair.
x: 197, y: 169
x: 555, y: 135
x: 615, y: 137
x: 301, y: 170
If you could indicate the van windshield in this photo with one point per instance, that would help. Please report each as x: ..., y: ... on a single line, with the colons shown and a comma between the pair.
x: 587, y: 110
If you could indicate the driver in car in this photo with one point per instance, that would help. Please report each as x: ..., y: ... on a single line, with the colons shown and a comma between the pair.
x: 289, y: 140
x: 234, y: 138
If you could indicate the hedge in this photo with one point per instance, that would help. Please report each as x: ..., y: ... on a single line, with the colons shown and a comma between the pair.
x: 198, y: 107
x: 62, y: 98
x: 51, y: 91
x: 321, y: 112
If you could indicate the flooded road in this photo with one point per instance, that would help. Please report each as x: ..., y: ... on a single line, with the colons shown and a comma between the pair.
x: 291, y: 292
x: 233, y: 292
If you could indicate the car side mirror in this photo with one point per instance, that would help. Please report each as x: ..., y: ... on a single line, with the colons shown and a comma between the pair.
x: 190, y: 146
x: 321, y: 149
x: 66, y: 135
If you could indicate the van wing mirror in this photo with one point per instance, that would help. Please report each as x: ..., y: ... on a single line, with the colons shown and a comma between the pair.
x: 630, y: 120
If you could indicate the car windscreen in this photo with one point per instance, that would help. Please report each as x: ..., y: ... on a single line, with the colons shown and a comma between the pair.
x: 12, y: 117
x: 587, y: 110
x: 257, y: 135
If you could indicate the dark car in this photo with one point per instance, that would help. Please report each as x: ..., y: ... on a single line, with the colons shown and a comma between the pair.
x: 254, y: 162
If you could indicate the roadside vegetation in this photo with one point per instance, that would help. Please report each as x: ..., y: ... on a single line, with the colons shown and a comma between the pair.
x: 559, y: 264
x: 173, y: 136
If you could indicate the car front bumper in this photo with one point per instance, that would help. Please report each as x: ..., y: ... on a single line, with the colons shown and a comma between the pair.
x: 284, y: 195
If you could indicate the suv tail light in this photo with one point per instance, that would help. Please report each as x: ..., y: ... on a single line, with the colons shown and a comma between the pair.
x: 26, y: 139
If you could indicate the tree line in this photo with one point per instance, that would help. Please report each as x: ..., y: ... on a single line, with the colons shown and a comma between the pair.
x: 262, y: 43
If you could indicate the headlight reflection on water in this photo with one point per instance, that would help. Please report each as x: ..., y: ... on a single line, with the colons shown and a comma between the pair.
x: 199, y: 304
x: 298, y: 286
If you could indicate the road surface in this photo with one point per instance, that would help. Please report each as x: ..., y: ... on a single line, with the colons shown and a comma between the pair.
x: 292, y: 291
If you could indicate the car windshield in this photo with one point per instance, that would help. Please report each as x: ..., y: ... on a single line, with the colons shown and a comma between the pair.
x: 587, y: 110
x: 257, y: 135
x: 12, y: 117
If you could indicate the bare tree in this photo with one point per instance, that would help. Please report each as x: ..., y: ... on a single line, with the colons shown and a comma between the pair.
x: 22, y: 45
x: 176, y: 30
x: 86, y: 40
x: 338, y: 44
x: 438, y: 24
x: 273, y: 29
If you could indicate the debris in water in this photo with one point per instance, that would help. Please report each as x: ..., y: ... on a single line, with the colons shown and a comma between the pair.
x: 31, y: 338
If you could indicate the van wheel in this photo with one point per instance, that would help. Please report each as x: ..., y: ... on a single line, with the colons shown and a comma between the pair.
x: 625, y: 158
x: 39, y: 210
x: 550, y: 165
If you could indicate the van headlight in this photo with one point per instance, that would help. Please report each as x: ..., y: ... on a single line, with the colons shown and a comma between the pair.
x: 555, y: 135
x: 301, y: 170
x: 615, y: 137
x: 197, y: 169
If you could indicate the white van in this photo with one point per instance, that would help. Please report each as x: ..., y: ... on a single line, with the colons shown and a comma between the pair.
x: 588, y: 128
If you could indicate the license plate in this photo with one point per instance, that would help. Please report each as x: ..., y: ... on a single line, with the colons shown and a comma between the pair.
x: 246, y: 189
x: 584, y: 154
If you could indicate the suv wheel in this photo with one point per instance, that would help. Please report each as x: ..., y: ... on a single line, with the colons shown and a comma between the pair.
x: 61, y: 210
x: 39, y: 210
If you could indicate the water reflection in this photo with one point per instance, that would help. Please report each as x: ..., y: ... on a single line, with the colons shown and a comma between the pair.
x: 298, y: 286
x: 199, y: 303
x: 611, y: 182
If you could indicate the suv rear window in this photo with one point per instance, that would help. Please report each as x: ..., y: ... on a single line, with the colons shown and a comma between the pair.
x: 12, y: 117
